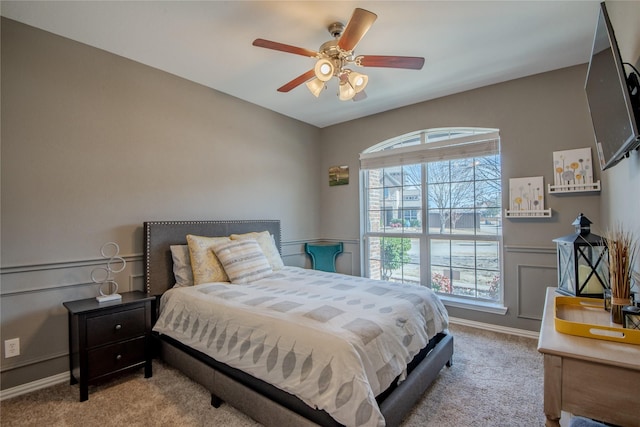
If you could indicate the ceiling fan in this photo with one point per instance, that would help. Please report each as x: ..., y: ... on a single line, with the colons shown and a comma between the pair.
x: 334, y: 55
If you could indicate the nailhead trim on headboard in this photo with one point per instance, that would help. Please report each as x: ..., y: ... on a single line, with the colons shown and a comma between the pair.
x: 162, y: 230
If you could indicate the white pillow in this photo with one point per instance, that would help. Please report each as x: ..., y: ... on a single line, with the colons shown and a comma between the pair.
x: 181, y: 265
x: 243, y: 260
x: 267, y: 244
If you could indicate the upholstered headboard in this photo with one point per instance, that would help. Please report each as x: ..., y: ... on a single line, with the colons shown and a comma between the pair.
x: 160, y: 235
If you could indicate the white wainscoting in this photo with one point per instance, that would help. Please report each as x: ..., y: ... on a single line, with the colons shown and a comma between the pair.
x: 533, y: 270
x: 348, y: 262
x: 32, y: 295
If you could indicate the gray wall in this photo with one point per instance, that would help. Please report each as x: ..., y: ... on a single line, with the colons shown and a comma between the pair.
x: 93, y: 145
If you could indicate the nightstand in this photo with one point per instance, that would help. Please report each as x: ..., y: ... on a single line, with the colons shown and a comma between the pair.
x: 108, y: 338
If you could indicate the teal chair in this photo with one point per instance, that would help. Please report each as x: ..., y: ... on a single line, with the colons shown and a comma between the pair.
x: 323, y: 256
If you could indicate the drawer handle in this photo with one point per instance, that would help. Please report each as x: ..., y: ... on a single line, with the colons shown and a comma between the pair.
x: 118, y: 357
x: 118, y: 327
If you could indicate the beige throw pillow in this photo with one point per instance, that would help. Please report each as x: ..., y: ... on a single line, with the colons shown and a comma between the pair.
x: 204, y: 264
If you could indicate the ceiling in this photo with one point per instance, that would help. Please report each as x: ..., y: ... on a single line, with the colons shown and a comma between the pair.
x: 467, y: 44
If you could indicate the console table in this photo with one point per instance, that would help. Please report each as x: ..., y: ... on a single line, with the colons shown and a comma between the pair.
x: 588, y: 377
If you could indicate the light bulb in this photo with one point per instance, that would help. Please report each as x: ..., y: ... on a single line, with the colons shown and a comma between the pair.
x: 358, y: 81
x: 324, y: 69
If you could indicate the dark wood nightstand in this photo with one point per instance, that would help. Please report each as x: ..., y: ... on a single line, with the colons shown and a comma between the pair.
x: 109, y: 338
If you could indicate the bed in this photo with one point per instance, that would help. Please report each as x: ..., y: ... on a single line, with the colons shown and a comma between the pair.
x: 189, y: 341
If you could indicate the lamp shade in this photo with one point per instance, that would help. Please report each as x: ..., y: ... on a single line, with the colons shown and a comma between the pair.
x: 346, y: 91
x: 315, y: 86
x: 358, y: 81
x: 324, y: 69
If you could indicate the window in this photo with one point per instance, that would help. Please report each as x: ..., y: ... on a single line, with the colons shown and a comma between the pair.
x: 431, y: 213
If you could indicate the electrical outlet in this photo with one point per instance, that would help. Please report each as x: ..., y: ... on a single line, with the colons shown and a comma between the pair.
x: 12, y: 347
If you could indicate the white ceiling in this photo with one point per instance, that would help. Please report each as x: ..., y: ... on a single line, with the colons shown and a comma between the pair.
x: 467, y: 44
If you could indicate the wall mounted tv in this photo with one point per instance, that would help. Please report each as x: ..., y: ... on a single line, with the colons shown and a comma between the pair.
x: 613, y: 97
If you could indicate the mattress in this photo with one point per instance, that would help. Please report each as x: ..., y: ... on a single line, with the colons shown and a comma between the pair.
x: 335, y: 341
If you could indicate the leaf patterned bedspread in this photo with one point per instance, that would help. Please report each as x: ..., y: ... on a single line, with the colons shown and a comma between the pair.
x: 333, y: 340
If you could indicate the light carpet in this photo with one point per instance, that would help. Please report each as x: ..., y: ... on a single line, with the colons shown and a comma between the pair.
x: 496, y: 380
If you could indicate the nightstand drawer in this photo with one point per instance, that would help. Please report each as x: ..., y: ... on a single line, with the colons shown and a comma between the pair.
x: 115, y: 326
x: 112, y: 358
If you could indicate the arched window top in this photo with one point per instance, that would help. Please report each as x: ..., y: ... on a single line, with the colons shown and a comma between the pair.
x: 429, y: 136
x: 432, y: 145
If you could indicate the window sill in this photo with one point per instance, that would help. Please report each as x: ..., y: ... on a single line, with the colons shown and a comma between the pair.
x: 486, y: 307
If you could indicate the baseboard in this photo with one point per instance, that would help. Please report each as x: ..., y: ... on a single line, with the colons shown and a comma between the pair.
x: 34, y: 385
x: 495, y: 328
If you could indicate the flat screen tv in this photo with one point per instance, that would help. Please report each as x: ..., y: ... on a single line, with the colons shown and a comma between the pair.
x: 612, y: 97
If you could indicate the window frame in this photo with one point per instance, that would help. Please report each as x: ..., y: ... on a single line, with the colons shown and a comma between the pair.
x: 466, y: 143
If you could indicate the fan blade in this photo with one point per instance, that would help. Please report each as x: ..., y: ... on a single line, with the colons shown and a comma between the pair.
x: 297, y: 81
x: 268, y: 44
x: 410, y: 62
x: 356, y: 28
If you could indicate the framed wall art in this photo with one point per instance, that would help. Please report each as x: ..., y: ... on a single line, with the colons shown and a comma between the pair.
x: 338, y: 175
x: 526, y: 198
x: 573, y: 171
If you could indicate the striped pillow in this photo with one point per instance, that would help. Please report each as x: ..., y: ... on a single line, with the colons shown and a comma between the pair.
x: 267, y: 244
x: 243, y: 260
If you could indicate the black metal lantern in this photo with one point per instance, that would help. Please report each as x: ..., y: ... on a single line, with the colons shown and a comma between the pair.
x: 582, y: 262
x: 631, y: 316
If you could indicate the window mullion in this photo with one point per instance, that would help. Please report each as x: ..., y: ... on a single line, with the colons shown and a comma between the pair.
x: 475, y: 199
x: 425, y: 265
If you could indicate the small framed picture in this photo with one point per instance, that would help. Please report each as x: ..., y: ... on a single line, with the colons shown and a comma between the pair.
x: 338, y: 175
x: 572, y: 167
x: 526, y: 194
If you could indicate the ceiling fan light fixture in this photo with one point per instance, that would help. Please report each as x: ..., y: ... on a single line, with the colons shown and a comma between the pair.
x: 358, y: 81
x: 345, y: 91
x: 315, y: 86
x: 334, y: 54
x: 324, y: 69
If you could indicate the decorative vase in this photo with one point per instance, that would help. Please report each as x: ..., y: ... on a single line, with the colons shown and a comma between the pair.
x: 617, y: 304
x: 622, y: 251
x: 616, y: 313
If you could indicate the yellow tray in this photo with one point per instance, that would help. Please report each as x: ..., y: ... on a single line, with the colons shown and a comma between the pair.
x: 586, y: 317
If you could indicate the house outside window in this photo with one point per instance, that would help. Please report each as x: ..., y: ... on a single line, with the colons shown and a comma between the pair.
x: 431, y: 212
